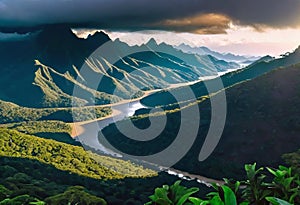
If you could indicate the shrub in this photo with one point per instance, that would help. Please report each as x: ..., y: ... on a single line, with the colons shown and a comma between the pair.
x: 283, y: 189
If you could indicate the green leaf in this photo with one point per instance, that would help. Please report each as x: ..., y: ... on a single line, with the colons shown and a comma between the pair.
x: 161, y: 193
x: 197, y: 201
x: 245, y: 203
x: 166, y: 187
x: 272, y: 171
x: 176, y: 191
x: 216, y: 200
x: 163, y: 201
x: 276, y: 201
x: 215, y: 186
x: 229, y: 196
x: 153, y: 197
x: 287, y: 182
x: 38, y: 203
x: 283, y: 168
x: 251, y: 170
x: 237, y: 186
x: 212, y: 194
x: 185, y: 197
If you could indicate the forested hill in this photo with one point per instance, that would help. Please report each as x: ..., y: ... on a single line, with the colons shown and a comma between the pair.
x: 252, y: 71
x: 262, y: 124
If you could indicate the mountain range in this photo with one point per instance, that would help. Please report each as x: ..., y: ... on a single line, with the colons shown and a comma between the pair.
x: 202, y: 50
x: 42, y: 69
x: 262, y: 121
x: 258, y: 68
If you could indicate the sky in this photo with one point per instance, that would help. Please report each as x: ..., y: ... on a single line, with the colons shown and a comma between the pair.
x: 239, y: 40
x: 255, y: 27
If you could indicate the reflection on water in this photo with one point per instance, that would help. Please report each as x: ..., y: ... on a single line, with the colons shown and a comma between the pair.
x: 89, y: 138
x: 127, y: 110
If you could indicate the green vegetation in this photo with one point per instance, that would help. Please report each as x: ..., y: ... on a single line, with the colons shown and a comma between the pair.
x: 257, y: 122
x: 283, y: 188
x: 175, y: 194
x: 55, y: 93
x: 90, y: 113
x: 248, y: 73
x: 53, y: 86
x: 21, y: 176
x: 56, y: 130
x: 261, y: 187
x: 67, y: 157
x: 75, y: 195
x: 22, y: 199
x: 11, y: 113
x: 34, y: 127
x: 293, y: 159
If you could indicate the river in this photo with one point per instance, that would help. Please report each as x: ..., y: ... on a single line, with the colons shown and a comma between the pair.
x: 89, y: 136
x: 90, y: 131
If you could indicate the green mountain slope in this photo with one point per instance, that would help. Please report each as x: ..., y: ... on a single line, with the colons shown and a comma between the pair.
x: 67, y: 157
x: 56, y: 130
x: 11, y: 113
x: 262, y: 124
x: 254, y: 70
x: 42, y: 70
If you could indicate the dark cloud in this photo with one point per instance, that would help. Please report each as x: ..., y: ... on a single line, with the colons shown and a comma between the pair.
x: 274, y: 13
x: 198, y: 16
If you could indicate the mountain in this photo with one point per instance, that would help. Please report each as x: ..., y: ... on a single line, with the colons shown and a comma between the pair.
x: 55, y: 45
x: 262, y: 124
x: 197, y: 60
x: 266, y: 58
x: 252, y: 71
x: 222, y: 56
x: 43, y: 69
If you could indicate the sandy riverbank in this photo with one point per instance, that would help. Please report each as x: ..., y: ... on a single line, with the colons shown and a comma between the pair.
x: 78, y: 127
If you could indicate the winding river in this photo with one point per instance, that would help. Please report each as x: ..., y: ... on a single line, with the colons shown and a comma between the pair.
x: 88, y: 136
x: 87, y: 132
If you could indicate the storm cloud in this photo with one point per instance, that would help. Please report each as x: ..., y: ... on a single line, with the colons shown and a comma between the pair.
x: 195, y: 16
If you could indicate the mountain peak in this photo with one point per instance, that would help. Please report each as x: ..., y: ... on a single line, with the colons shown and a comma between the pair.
x: 99, y: 35
x: 58, y: 46
x: 55, y: 32
x: 151, y: 42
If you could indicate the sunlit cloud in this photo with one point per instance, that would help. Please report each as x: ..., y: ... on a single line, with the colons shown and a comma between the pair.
x: 200, y: 24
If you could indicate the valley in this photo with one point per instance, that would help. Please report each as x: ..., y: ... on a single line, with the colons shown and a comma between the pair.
x: 54, y: 118
x: 244, y: 111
